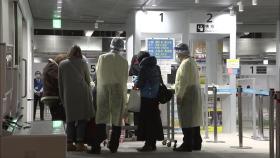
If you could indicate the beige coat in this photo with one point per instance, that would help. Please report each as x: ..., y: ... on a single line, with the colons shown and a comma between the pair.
x: 187, y: 87
x: 112, y: 74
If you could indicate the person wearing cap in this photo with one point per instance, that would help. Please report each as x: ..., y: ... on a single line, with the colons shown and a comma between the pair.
x: 38, y: 91
x: 188, y: 94
x: 112, y: 75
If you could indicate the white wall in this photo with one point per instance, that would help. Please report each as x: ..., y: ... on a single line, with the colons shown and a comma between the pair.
x: 28, y: 54
x: 252, y: 46
x: 278, y: 56
x: 269, y: 28
x: 6, y: 23
x: 130, y: 30
x: 7, y: 35
x: 62, y: 44
x: 149, y: 22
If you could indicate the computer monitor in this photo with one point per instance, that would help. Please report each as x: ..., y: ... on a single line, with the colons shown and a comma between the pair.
x: 171, y: 77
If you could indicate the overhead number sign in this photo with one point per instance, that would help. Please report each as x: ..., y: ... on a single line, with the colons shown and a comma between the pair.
x: 161, y: 48
x: 218, y: 24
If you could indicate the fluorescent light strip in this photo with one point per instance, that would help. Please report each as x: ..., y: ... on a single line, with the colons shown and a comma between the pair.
x: 196, y: 1
x: 88, y: 33
x: 254, y: 2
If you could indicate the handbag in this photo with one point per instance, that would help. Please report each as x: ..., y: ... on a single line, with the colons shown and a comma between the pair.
x: 164, y: 94
x: 134, y: 101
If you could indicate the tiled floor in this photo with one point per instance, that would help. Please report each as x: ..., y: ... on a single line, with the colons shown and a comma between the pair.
x: 47, y: 114
x: 210, y: 150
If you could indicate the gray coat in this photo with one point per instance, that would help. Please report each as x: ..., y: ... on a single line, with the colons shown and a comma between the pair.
x: 74, y: 89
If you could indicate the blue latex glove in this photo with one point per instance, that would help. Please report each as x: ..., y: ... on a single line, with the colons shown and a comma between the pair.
x: 134, y: 79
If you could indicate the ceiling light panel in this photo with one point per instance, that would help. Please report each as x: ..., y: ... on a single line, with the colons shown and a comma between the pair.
x: 254, y: 2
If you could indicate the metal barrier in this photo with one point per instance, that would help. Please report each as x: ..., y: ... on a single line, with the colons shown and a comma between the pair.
x: 271, y: 123
x: 206, y: 112
x: 278, y: 125
x: 215, y: 117
x: 240, y: 123
x: 261, y: 136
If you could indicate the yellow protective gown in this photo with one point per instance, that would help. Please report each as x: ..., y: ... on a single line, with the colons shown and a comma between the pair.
x: 187, y: 87
x: 112, y: 74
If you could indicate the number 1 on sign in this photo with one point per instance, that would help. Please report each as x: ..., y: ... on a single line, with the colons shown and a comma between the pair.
x: 161, y: 17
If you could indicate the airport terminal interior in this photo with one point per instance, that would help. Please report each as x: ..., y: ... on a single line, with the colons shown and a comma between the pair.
x: 234, y: 45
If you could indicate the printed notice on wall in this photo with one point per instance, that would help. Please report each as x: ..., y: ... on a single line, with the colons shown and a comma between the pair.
x: 233, y: 63
x: 161, y: 48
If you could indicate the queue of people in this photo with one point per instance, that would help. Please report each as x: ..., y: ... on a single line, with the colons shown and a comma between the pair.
x: 68, y: 93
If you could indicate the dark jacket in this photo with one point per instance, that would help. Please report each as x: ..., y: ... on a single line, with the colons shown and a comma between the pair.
x: 150, y: 125
x: 134, y: 70
x: 50, y: 80
x: 149, y: 78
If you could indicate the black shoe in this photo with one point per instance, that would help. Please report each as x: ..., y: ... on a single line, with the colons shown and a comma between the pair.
x: 147, y: 148
x: 183, y: 148
x: 113, y: 147
x: 196, y: 147
x: 115, y: 139
x: 94, y: 150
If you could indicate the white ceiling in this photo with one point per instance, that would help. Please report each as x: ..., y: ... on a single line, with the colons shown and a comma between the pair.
x: 115, y: 12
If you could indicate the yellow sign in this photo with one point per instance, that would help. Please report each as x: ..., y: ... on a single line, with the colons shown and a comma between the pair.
x: 233, y: 63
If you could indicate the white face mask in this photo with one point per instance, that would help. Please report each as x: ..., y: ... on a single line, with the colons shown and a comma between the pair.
x: 38, y: 76
x: 177, y: 59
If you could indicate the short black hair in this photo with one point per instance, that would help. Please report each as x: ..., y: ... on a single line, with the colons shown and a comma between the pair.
x: 142, y: 55
x: 38, y: 72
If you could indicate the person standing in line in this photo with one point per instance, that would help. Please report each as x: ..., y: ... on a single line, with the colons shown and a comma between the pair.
x: 38, y: 91
x: 189, y: 104
x: 112, y: 76
x: 134, y: 66
x: 50, y: 93
x: 75, y: 93
x: 150, y: 125
x: 134, y: 72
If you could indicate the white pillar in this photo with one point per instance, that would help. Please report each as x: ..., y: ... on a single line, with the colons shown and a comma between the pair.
x: 278, y: 57
x: 230, y: 110
x: 211, y: 61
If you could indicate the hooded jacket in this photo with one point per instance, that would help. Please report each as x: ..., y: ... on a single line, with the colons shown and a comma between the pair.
x: 50, y: 80
x: 149, y: 78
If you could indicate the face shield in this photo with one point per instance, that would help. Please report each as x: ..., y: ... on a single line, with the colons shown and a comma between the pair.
x: 177, y: 59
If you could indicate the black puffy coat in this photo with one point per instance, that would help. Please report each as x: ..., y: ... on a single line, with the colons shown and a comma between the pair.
x: 149, y: 78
